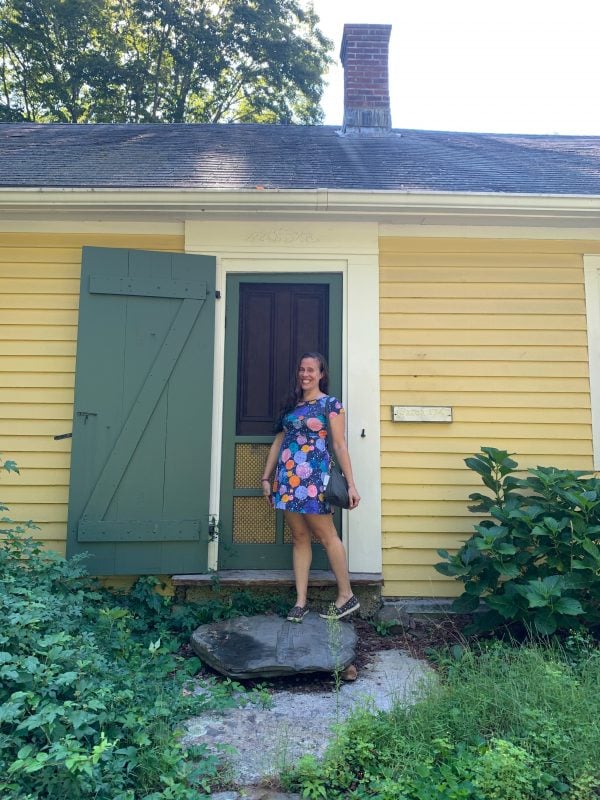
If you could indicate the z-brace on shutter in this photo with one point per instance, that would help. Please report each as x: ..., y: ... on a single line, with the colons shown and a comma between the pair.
x: 141, y: 457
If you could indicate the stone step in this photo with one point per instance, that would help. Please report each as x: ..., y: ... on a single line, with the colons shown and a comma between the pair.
x: 272, y: 577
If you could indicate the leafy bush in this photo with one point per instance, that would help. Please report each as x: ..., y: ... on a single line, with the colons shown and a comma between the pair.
x: 495, y: 724
x: 536, y: 560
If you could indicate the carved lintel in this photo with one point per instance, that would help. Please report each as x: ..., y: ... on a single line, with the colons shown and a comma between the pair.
x: 282, y: 235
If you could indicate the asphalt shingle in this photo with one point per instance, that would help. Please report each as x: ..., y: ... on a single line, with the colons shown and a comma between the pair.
x: 294, y: 157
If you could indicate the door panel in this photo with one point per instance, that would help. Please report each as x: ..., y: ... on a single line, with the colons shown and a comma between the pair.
x: 270, y: 321
x: 140, y: 467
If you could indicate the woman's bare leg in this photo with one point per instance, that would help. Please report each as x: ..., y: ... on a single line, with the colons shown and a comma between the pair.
x: 321, y: 525
x: 301, y: 553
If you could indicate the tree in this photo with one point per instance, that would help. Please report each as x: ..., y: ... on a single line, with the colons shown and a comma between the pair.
x: 160, y: 61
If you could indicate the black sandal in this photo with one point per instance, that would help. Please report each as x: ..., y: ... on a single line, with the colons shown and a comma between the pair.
x: 297, y: 613
x: 349, y: 607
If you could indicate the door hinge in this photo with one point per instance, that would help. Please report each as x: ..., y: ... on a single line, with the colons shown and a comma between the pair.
x: 213, y: 528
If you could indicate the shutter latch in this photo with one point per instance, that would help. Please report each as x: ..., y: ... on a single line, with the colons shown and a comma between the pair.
x: 213, y: 528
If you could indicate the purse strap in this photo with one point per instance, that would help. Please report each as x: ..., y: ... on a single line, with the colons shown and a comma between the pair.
x: 330, y: 450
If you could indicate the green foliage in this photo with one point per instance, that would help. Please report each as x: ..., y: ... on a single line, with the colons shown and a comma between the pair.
x: 160, y: 61
x: 92, y: 686
x: 536, y: 560
x: 496, y: 723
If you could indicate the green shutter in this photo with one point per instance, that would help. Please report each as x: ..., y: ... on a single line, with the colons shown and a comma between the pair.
x: 140, y: 464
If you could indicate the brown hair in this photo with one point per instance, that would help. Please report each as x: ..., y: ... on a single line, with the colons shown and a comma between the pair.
x: 295, y: 394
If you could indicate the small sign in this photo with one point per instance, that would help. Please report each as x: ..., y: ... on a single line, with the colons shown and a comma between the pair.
x: 422, y: 413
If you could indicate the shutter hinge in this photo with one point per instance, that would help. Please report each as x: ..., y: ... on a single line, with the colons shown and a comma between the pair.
x: 213, y: 528
x: 218, y: 294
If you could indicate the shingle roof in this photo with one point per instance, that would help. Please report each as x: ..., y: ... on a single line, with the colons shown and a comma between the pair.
x: 294, y: 157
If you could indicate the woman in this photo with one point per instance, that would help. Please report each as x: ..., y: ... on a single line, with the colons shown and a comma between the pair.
x: 299, y: 456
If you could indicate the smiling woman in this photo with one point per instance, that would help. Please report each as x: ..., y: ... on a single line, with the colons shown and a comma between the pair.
x: 310, y: 430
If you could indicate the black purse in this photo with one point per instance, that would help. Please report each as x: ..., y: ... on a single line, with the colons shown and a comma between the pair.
x: 336, y: 491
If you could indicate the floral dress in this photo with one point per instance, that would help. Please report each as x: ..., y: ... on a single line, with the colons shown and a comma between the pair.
x: 303, y: 463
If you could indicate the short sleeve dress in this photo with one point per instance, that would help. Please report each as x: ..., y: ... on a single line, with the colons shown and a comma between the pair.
x: 303, y: 462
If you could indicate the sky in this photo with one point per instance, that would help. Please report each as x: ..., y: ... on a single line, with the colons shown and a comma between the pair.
x: 501, y: 66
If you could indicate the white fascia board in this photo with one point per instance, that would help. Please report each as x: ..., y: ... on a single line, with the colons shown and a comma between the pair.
x: 368, y: 204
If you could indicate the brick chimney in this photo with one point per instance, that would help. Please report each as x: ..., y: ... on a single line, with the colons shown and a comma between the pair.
x: 364, y: 56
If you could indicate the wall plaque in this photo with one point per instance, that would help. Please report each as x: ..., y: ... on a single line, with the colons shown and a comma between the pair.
x: 422, y: 413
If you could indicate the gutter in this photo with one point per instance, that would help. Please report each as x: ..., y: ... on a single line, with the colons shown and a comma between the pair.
x: 370, y: 205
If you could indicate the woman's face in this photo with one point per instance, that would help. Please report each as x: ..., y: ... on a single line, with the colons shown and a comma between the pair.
x: 309, y: 375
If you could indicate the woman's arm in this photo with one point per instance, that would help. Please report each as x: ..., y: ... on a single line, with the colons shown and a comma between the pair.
x: 270, y: 466
x: 340, y: 448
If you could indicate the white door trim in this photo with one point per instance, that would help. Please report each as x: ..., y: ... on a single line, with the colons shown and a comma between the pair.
x: 352, y: 250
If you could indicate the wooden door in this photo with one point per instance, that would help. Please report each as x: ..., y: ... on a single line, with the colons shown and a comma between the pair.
x: 270, y: 321
x: 140, y: 466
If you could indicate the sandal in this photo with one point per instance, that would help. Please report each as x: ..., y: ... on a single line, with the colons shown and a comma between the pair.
x: 297, y: 613
x: 349, y: 607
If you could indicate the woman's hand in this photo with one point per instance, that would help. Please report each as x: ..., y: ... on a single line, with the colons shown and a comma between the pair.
x: 353, y: 497
x: 267, y: 492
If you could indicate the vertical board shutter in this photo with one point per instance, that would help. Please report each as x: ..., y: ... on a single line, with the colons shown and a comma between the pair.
x: 140, y: 464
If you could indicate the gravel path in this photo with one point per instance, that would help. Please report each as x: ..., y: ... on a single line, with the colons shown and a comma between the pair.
x: 265, y: 740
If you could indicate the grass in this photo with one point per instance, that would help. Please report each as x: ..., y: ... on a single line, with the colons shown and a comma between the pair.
x: 497, y: 723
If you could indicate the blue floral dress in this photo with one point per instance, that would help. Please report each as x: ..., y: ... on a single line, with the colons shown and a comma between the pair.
x: 303, y: 462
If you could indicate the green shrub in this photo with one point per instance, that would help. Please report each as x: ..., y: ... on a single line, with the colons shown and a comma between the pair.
x: 536, y: 560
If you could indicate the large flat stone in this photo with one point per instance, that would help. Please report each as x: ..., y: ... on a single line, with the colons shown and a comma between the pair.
x: 267, y: 646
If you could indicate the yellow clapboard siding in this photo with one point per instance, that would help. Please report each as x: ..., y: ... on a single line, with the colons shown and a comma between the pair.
x: 497, y: 330
x: 34, y: 364
x: 21, y: 494
x: 425, y: 541
x: 444, y: 476
x: 38, y: 301
x: 410, y: 588
x: 38, y: 512
x: 493, y: 246
x: 559, y: 401
x: 430, y: 492
x: 492, y: 336
x: 479, y: 322
x: 476, y: 275
x: 38, y: 380
x: 434, y: 460
x: 475, y: 352
x: 36, y: 411
x: 540, y: 384
x: 37, y: 348
x: 38, y: 316
x: 466, y: 368
x: 407, y: 557
x: 486, y: 291
x: 390, y: 431
x: 524, y: 448
x: 483, y: 260
x: 36, y: 444
x: 39, y: 477
x: 142, y: 241
x: 21, y: 269
x: 14, y: 394
x: 23, y: 286
x: 479, y: 305
x: 27, y: 333
x: 418, y: 572
x: 34, y: 427
x: 32, y: 460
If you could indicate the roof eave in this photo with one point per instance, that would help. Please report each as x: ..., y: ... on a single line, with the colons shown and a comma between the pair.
x: 370, y: 204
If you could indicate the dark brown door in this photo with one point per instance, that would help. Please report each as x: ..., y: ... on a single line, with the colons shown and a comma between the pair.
x: 270, y: 322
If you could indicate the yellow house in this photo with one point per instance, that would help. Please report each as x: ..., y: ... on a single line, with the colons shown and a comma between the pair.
x: 156, y: 282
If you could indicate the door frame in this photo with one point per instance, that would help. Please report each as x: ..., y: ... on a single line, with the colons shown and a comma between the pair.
x: 281, y: 555
x: 351, y: 249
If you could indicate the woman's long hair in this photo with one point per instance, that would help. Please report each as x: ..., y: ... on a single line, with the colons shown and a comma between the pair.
x: 294, y: 396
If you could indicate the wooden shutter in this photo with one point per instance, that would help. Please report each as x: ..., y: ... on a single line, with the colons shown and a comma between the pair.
x: 141, y: 457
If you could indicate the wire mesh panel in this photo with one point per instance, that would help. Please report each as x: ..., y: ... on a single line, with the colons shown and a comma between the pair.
x: 253, y: 521
x: 250, y: 461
